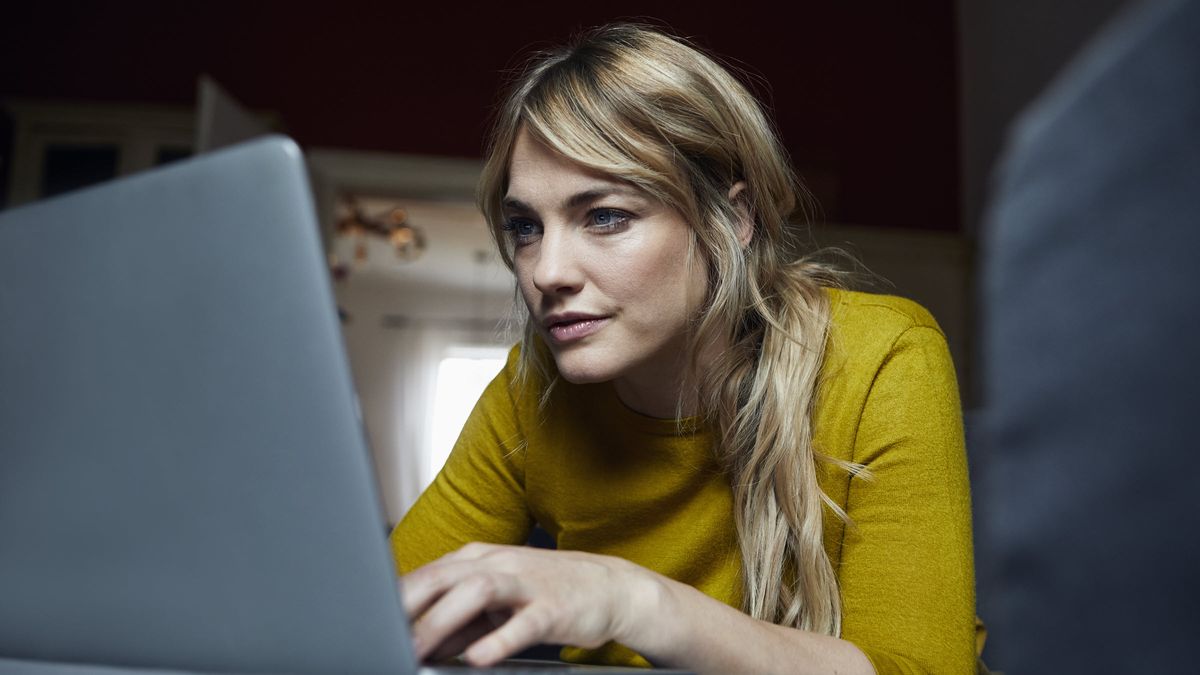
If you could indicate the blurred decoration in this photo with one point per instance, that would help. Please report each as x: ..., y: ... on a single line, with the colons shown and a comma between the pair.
x: 406, y: 240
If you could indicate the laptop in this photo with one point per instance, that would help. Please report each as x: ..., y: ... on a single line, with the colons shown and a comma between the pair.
x: 185, y: 485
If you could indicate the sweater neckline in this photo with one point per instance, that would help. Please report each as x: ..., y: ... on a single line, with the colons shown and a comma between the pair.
x: 658, y: 426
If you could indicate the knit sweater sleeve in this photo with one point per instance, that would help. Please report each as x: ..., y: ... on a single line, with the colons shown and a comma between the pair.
x: 906, y: 570
x: 479, y: 495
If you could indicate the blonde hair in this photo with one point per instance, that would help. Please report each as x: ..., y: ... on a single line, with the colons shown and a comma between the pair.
x: 652, y: 110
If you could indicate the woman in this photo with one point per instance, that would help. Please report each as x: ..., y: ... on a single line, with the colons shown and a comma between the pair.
x: 745, y: 469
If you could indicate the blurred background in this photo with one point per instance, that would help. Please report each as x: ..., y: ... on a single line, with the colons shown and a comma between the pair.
x: 893, y: 113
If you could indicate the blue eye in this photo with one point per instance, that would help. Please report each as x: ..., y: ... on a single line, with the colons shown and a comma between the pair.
x: 522, y: 230
x: 607, y: 219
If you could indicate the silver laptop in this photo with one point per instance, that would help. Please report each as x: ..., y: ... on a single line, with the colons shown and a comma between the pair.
x: 184, y: 479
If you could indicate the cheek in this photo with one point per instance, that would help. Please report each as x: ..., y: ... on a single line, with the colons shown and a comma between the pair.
x: 661, y: 285
x: 626, y: 274
x: 524, y: 279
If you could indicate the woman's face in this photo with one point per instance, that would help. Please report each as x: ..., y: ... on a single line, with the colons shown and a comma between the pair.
x: 603, y: 268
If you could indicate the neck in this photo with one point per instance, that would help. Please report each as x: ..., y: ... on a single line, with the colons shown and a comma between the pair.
x: 662, y: 399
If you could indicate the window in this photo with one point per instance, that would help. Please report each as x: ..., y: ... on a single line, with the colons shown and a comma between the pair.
x: 462, y: 375
x: 58, y: 147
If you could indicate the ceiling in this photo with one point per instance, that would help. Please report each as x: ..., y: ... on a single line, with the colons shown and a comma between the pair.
x: 864, y: 94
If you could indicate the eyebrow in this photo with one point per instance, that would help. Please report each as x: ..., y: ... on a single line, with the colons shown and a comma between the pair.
x: 579, y: 198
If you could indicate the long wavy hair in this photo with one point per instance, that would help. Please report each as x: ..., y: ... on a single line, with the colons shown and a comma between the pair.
x: 650, y: 109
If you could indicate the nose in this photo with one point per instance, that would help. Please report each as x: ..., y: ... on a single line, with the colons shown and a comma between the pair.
x: 557, y: 269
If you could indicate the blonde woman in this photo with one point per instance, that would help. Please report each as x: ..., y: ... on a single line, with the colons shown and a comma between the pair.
x: 745, y: 469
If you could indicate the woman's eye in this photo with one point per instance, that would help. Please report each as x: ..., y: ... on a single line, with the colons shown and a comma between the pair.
x: 607, y: 219
x: 522, y: 231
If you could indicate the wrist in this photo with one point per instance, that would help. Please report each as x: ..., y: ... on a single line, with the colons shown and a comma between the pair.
x: 639, y: 621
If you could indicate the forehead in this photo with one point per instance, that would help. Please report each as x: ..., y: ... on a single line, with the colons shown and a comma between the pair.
x: 536, y: 170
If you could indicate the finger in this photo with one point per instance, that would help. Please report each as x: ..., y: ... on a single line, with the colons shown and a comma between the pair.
x: 423, y: 585
x: 460, y: 605
x: 455, y: 644
x: 480, y: 626
x: 527, y: 627
x: 417, y: 593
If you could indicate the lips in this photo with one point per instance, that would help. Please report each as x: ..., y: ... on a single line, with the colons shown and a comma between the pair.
x: 569, y: 327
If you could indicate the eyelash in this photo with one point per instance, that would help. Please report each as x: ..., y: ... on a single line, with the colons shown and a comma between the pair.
x: 618, y: 220
x: 512, y: 227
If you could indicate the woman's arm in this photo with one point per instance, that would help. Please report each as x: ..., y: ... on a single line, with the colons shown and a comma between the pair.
x: 583, y: 599
x: 906, y: 571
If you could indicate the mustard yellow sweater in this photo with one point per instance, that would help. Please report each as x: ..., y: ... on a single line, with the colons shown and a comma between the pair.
x: 602, y: 478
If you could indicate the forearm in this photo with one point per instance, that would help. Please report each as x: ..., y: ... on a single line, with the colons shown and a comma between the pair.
x: 675, y: 625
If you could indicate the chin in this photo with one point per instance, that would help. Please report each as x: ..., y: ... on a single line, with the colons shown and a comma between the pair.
x: 578, y: 370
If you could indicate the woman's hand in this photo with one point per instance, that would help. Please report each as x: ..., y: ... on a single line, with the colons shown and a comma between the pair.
x: 495, y: 601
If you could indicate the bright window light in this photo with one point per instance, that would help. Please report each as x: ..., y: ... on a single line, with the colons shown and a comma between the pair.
x: 462, y: 376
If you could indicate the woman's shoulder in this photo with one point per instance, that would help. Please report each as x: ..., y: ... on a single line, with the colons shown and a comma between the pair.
x: 855, y: 314
x: 870, y: 333
x: 868, y: 330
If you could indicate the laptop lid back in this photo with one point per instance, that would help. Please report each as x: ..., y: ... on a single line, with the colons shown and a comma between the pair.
x: 184, y: 480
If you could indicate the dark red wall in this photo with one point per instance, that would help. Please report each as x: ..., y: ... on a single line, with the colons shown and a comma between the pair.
x: 864, y: 93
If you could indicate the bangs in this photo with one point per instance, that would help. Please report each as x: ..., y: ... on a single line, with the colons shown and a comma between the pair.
x: 596, y: 122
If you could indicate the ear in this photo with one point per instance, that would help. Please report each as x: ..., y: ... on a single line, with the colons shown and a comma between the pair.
x: 745, y: 225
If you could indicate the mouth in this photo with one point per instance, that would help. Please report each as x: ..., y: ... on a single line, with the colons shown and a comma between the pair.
x: 564, y: 328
